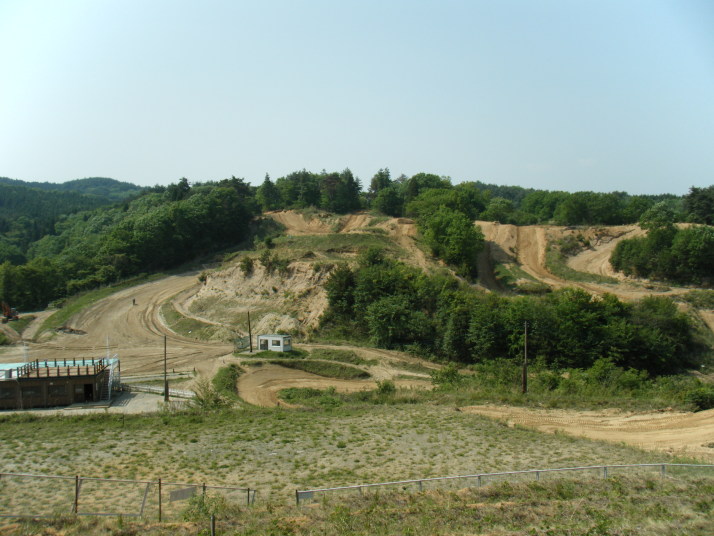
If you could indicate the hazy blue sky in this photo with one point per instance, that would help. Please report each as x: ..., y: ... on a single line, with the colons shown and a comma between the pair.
x: 572, y: 95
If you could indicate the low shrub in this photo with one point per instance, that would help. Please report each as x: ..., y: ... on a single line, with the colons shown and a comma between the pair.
x: 701, y: 398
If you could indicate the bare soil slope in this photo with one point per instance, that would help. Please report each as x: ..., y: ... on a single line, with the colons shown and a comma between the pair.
x: 527, y: 247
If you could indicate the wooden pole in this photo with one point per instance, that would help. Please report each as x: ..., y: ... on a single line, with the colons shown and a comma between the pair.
x: 250, y: 334
x: 524, y: 378
x: 159, y: 500
x: 166, y: 381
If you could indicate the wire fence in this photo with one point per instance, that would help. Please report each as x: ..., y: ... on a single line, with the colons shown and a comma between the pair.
x: 483, y: 479
x: 35, y: 496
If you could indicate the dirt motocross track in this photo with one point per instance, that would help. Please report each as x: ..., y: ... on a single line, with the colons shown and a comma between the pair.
x: 136, y: 333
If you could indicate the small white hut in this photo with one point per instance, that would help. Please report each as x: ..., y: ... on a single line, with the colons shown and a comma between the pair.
x: 275, y: 343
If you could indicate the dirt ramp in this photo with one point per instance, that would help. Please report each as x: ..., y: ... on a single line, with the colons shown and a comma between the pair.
x: 603, y: 240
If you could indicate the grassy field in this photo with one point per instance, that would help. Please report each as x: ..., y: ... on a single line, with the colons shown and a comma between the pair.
x: 277, y: 451
x: 616, y: 506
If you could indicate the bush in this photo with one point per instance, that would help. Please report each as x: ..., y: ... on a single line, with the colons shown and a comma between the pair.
x: 448, y: 375
x: 386, y: 387
x: 246, y: 265
x: 201, y: 507
x: 206, y: 397
x: 701, y: 398
x: 224, y: 382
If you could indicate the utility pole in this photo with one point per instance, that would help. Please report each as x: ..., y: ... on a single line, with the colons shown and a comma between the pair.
x: 250, y: 334
x: 166, y: 380
x: 524, y: 378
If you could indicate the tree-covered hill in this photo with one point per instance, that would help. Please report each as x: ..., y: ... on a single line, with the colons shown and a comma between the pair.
x: 30, y: 211
x: 108, y: 190
x: 160, y: 229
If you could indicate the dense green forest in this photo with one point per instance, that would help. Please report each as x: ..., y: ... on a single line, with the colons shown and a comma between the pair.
x: 398, y: 306
x: 29, y: 210
x: 684, y: 255
x: 413, y: 196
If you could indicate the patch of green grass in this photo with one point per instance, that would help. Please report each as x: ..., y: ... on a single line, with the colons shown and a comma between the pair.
x: 188, y: 327
x: 77, y: 303
x: 20, y: 325
x: 704, y: 299
x: 335, y: 245
x: 307, y: 396
x: 323, y: 368
x: 556, y: 263
x: 513, y: 277
x: 225, y: 380
x: 343, y: 356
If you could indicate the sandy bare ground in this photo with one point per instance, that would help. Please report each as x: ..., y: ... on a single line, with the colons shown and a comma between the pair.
x: 134, y: 332
x: 688, y: 434
x: 596, y: 260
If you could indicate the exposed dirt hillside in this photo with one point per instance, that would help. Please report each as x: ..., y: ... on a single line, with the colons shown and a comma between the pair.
x: 526, y: 247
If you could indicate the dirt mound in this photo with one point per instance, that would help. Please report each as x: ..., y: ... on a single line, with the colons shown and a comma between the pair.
x: 228, y: 294
x: 689, y: 434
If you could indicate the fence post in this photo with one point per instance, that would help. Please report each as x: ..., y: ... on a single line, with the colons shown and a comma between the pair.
x: 604, y: 471
x: 213, y: 525
x: 75, y: 506
x: 159, y: 500
x: 664, y: 470
x: 537, y: 473
x: 479, y: 481
x: 297, y: 497
x: 420, y: 486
